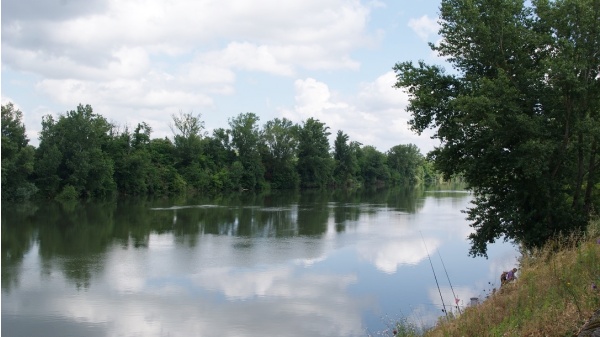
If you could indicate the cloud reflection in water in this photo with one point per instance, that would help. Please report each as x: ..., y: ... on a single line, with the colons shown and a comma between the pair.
x: 298, y: 269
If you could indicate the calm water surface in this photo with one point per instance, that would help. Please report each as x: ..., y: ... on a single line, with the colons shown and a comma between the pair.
x: 284, y: 264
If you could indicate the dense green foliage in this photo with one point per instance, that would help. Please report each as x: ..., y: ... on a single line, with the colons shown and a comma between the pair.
x: 518, y: 115
x: 245, y: 138
x: 345, y: 160
x: 82, y: 155
x: 315, y: 164
x: 73, y: 152
x: 279, y: 151
x: 405, y: 161
x: 17, y: 156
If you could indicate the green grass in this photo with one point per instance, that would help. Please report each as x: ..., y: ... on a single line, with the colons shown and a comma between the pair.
x: 552, y: 297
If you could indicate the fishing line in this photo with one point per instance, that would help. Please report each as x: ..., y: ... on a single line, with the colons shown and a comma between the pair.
x: 434, y: 276
x: 453, y: 294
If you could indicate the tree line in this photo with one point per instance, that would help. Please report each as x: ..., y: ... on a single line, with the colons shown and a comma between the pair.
x: 82, y: 155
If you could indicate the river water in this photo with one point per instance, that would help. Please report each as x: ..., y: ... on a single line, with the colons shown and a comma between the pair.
x: 281, y: 264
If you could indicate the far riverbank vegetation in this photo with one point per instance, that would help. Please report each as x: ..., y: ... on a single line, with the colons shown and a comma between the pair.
x: 82, y: 155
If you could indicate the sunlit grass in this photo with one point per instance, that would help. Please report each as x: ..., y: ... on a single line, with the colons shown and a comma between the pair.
x: 555, y: 294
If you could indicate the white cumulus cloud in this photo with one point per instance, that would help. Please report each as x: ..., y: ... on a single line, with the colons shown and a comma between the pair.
x: 376, y: 115
x: 424, y: 27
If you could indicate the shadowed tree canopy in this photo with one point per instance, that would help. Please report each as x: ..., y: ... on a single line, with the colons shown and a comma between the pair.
x: 518, y: 115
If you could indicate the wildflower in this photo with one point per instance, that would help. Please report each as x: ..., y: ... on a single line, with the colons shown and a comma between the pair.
x: 594, y: 286
x: 395, y: 332
x: 456, y: 300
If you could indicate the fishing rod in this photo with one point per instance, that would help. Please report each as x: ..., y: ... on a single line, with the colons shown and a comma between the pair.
x: 434, y: 276
x: 453, y: 294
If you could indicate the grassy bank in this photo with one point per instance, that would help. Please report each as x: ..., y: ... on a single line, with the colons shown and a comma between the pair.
x: 556, y: 293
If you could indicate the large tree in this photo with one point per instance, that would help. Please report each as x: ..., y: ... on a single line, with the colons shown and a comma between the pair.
x: 279, y: 152
x: 73, y: 154
x: 372, y: 166
x: 222, y: 161
x: 517, y: 115
x: 315, y: 164
x: 163, y: 177
x: 188, y: 133
x: 17, y: 156
x: 131, y: 157
x: 345, y: 160
x: 406, y: 164
x: 245, y: 137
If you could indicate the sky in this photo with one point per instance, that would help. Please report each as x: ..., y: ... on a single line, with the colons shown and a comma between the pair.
x: 139, y: 61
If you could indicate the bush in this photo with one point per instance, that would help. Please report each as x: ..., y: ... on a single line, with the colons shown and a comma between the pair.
x: 68, y: 193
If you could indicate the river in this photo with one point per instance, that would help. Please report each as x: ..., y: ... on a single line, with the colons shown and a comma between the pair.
x: 280, y: 264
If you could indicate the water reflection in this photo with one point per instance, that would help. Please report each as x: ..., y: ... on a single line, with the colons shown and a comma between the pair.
x: 319, y: 263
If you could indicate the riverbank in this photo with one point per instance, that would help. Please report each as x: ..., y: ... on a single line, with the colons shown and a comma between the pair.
x: 555, y: 295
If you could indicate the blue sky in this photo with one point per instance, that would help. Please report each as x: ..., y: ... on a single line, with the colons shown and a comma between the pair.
x: 144, y: 60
